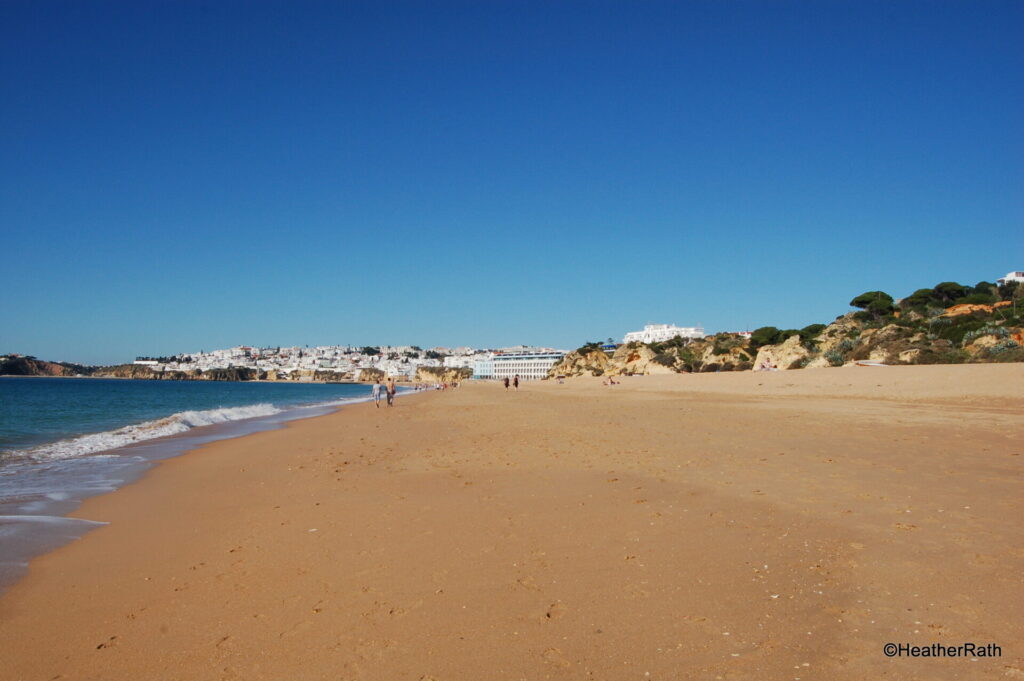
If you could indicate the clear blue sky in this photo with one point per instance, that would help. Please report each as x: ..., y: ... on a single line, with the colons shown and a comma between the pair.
x: 178, y: 176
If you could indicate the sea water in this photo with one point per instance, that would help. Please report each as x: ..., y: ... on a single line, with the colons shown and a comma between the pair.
x: 65, y: 439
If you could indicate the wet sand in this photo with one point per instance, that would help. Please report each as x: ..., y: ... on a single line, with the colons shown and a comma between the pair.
x: 724, y: 526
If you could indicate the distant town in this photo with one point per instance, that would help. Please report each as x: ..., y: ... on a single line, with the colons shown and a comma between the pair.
x: 401, y: 362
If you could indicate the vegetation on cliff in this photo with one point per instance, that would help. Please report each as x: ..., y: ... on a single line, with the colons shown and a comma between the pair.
x: 948, y: 323
x: 26, y: 365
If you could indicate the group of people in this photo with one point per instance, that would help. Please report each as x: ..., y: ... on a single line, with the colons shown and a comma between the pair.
x: 514, y: 383
x: 389, y: 389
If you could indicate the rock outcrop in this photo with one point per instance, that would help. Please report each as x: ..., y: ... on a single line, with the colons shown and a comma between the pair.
x: 636, y: 359
x: 369, y: 375
x: 141, y: 371
x: 30, y: 366
x: 789, y: 354
x: 582, y: 363
x: 723, y: 352
x: 442, y: 375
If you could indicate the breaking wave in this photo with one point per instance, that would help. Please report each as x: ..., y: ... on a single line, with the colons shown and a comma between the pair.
x: 120, y: 437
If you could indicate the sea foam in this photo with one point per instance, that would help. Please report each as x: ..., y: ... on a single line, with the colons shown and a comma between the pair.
x: 170, y: 425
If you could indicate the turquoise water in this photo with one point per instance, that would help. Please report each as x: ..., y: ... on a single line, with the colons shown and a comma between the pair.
x: 65, y: 439
x: 54, y: 411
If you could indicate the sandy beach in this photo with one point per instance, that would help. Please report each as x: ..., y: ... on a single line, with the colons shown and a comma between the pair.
x: 762, y: 526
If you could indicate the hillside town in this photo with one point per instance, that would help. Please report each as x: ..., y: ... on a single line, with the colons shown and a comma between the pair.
x: 348, y: 362
x: 353, y: 363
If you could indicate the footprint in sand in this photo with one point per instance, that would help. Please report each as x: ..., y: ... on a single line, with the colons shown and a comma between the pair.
x: 297, y: 630
x: 554, y: 656
x: 110, y: 642
x: 527, y: 583
x: 636, y: 591
x: 555, y: 611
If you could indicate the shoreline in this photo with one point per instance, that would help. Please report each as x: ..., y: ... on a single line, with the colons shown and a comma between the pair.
x: 677, y: 527
x: 51, y: 523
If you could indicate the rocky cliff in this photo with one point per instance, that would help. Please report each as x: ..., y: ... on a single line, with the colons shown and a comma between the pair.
x: 582, y: 362
x: 442, y: 375
x: 723, y: 352
x: 139, y: 371
x: 972, y: 336
x: 30, y: 366
x: 949, y: 323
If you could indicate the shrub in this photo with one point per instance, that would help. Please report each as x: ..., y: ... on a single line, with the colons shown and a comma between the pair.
x: 866, y: 299
x: 1004, y: 346
x: 921, y: 298
x: 834, y: 357
x: 874, y: 303
x: 664, y: 359
x: 766, y: 335
x: 948, y: 292
x: 1008, y: 289
x: 977, y: 299
x: 1007, y: 352
x: 955, y: 332
x: 812, y: 331
x: 987, y: 330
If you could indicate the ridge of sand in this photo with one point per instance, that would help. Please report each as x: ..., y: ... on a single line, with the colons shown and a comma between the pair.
x: 747, y: 526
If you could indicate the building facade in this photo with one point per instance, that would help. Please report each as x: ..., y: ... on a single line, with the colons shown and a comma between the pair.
x: 529, y: 365
x: 658, y: 333
x: 1011, y: 276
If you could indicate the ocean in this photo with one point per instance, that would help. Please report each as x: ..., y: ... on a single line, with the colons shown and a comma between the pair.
x: 65, y: 439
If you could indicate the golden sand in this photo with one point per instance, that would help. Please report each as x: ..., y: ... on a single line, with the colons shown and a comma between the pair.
x: 720, y: 526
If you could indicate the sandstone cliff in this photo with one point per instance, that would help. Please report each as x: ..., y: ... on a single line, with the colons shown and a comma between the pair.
x: 140, y: 371
x: 30, y: 366
x: 723, y: 352
x: 582, y: 362
x: 441, y: 375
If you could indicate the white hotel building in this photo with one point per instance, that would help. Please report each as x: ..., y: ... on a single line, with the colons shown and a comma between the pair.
x: 529, y: 364
x: 658, y: 333
x: 1011, y: 276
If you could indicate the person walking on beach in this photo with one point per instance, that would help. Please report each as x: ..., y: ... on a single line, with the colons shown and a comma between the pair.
x: 506, y: 384
x: 515, y: 382
x: 376, y: 392
x: 391, y: 392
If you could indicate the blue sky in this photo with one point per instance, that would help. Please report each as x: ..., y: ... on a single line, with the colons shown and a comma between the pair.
x: 178, y: 176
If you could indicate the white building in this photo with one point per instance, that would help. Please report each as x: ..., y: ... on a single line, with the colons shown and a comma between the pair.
x: 459, y: 361
x: 527, y: 364
x: 483, y: 367
x: 1011, y: 276
x: 658, y: 333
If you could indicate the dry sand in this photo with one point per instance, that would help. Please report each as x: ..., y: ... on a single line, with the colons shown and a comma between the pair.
x: 729, y: 526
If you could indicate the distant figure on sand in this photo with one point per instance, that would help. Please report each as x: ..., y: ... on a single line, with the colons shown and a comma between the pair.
x: 376, y: 392
x: 515, y: 381
x: 506, y: 383
x: 391, y: 392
